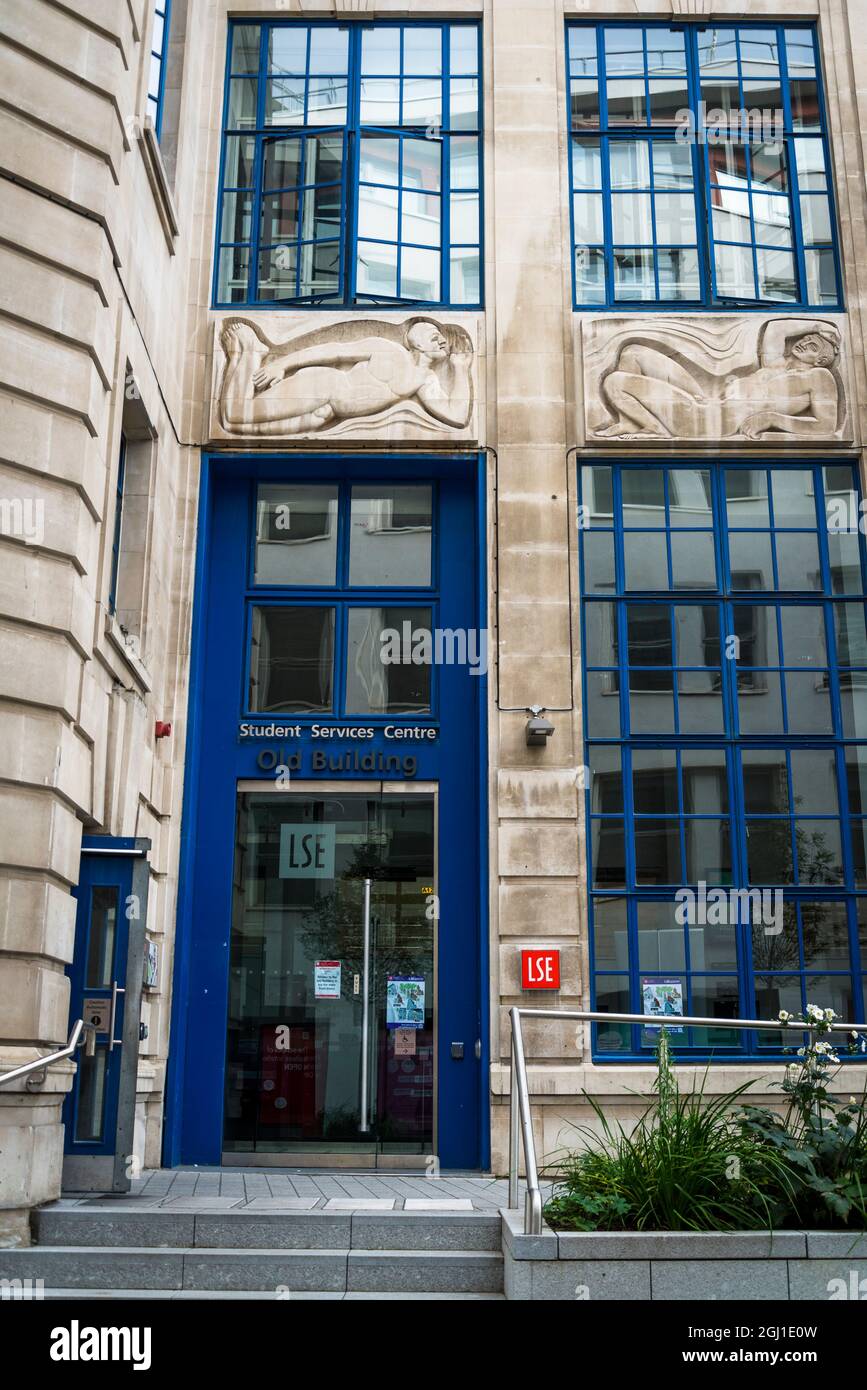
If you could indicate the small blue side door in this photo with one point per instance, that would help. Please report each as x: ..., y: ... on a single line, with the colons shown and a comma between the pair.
x: 105, y: 991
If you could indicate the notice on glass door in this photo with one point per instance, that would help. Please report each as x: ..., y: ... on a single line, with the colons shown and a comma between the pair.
x: 326, y: 979
x: 404, y: 1001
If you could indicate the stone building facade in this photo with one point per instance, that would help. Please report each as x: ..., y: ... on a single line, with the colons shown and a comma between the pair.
x: 123, y: 346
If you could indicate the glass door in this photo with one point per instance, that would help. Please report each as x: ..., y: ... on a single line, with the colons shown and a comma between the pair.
x: 330, y: 1041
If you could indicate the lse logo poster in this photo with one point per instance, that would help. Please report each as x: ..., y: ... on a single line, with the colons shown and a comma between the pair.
x: 540, y: 969
x: 307, y: 851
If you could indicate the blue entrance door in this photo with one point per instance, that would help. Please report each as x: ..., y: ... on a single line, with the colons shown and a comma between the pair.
x: 105, y: 991
x: 282, y: 1038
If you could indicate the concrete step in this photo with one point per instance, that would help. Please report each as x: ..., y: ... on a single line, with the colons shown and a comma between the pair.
x: 237, y: 1228
x: 258, y: 1295
x: 242, y: 1268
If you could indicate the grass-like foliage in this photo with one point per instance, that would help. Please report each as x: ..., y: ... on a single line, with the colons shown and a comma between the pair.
x: 694, y: 1163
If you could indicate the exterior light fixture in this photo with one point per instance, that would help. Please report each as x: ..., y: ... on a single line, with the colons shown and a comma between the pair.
x: 538, y: 730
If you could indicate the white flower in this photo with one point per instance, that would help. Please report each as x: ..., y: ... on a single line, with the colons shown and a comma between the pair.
x: 783, y: 1016
x: 802, y: 1052
x: 813, y: 1011
x: 830, y: 1015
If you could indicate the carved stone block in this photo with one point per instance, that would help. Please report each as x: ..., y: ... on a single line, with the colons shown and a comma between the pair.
x: 355, y: 379
x: 773, y: 380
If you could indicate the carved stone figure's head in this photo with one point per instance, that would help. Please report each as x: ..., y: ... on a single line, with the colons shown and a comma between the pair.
x: 423, y: 336
x: 817, y: 349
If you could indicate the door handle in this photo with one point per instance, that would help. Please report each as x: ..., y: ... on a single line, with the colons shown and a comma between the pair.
x: 114, y: 1042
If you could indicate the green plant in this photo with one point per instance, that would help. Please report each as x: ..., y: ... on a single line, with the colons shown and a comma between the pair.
x: 687, y: 1165
x: 822, y: 1140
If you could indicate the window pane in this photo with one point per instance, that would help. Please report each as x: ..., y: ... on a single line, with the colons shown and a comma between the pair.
x: 612, y: 996
x: 239, y: 162
x: 377, y: 269
x: 598, y: 551
x: 291, y: 662
x: 629, y: 162
x: 646, y: 560
x: 464, y: 49
x: 420, y: 218
x: 380, y: 50
x: 678, y: 274
x: 99, y: 971
x: 587, y: 212
x: 380, y: 102
x: 606, y: 781
x: 233, y: 275
x: 582, y: 50
x: 464, y: 217
x: 668, y: 100
x: 589, y: 275
x: 420, y: 273
x: 287, y: 49
x: 624, y: 49
x: 610, y: 937
x: 423, y: 50
x: 464, y: 103
x: 422, y: 102
x: 390, y: 535
x: 584, y: 103
x: 657, y: 852
x: 586, y: 164
x: 675, y: 218
x: 465, y: 284
x: 242, y: 102
x: 608, y: 852
x: 329, y: 50
x: 296, y: 534
x: 661, y: 942
x: 654, y: 781
x: 388, y: 661
x: 626, y: 102
x: 285, y: 102
x: 672, y: 164
x: 630, y: 218
x: 464, y: 161
x: 776, y: 275
x: 634, y: 275
x: 643, y: 494
x: 717, y: 51
x: 377, y: 212
x: 245, y: 48
x: 734, y: 272
x: 326, y: 101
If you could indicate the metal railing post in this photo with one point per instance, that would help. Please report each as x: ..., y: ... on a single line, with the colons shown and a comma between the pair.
x: 514, y: 1131
x: 31, y: 1069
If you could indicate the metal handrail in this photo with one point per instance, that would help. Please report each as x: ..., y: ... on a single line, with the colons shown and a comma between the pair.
x: 520, y: 1120
x: 41, y: 1063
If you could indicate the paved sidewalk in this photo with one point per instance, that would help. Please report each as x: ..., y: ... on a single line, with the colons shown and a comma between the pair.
x: 294, y: 1189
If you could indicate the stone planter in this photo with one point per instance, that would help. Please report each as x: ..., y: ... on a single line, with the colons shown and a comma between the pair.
x: 664, y: 1266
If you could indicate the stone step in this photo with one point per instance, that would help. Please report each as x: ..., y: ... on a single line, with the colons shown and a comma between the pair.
x: 258, y: 1295
x: 160, y: 1228
x: 286, y: 1270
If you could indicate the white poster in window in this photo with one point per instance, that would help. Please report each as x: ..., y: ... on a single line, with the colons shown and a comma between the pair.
x: 326, y: 979
x: 307, y: 851
x: 662, y: 999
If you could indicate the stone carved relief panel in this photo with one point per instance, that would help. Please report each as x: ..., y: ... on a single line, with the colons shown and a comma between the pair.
x: 772, y: 380
x: 382, y: 380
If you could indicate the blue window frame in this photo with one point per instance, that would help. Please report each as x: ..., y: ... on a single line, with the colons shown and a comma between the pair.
x: 700, y: 167
x: 157, y: 69
x: 343, y: 594
x: 118, y: 526
x: 351, y: 167
x: 724, y: 641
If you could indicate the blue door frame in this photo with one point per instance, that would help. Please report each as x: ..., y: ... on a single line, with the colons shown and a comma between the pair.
x: 217, y: 757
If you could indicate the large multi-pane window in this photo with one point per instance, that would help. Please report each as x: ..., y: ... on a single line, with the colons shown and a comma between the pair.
x: 342, y: 600
x: 351, y: 169
x: 725, y: 716
x: 700, y: 167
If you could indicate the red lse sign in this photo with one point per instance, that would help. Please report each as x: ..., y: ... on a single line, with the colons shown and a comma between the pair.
x: 540, y: 969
